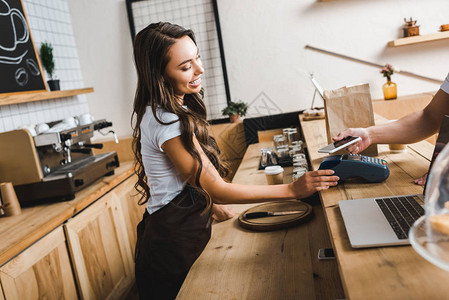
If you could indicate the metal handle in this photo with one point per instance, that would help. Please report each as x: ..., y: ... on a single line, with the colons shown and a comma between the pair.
x: 84, y: 151
x: 96, y: 146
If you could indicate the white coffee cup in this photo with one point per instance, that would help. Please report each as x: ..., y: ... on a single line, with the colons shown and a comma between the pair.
x: 71, y: 122
x: 274, y: 175
x: 85, y: 119
x: 41, y: 128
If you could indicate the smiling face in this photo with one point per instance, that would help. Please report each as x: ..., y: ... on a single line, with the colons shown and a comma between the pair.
x: 184, y: 68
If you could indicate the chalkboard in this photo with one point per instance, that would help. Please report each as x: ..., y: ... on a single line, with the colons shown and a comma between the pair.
x: 20, y: 68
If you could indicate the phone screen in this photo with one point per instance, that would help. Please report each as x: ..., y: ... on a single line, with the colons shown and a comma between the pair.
x: 326, y: 253
x: 335, y: 146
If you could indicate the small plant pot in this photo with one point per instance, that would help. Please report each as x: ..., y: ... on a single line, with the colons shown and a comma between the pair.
x: 234, y: 118
x: 53, y: 85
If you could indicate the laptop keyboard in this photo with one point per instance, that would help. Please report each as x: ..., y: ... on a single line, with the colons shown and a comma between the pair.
x: 401, y: 213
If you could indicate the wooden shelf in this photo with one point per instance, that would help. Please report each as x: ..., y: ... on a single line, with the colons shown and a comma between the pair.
x: 15, y: 98
x: 419, y: 39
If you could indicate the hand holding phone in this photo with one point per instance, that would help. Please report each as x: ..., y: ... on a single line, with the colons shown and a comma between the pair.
x: 335, y: 146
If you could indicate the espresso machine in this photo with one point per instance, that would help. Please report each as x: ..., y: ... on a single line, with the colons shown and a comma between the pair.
x: 55, y: 164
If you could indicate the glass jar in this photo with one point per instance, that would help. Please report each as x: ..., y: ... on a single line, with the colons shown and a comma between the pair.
x: 299, y: 156
x: 298, y: 172
x: 299, y: 160
x: 296, y: 176
x: 264, y: 159
x: 298, y: 143
x: 429, y: 234
x: 295, y: 150
x: 291, y: 135
x: 282, y: 151
x: 279, y: 141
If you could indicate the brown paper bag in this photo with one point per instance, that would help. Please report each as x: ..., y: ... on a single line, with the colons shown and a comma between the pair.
x: 349, y: 107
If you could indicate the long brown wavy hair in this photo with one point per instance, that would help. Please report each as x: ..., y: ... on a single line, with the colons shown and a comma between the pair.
x: 151, y: 47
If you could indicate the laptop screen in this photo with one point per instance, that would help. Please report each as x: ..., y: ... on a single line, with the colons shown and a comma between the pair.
x: 442, y: 140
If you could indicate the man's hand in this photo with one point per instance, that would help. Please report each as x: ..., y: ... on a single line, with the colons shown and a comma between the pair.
x: 357, y: 146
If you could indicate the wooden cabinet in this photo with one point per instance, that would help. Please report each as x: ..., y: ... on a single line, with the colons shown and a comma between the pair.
x: 99, y: 249
x: 132, y: 211
x: 88, y: 257
x: 1, y: 292
x: 42, y: 271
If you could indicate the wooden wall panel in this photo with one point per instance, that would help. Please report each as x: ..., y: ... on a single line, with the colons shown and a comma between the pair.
x: 230, y: 138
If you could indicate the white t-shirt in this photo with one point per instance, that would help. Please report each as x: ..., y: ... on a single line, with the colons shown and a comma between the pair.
x: 445, y: 85
x: 164, y: 180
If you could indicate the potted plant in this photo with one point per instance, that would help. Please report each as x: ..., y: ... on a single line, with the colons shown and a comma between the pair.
x: 234, y: 110
x: 46, y: 54
x: 389, y: 88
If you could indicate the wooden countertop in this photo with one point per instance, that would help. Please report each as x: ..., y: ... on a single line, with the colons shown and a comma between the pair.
x: 385, y: 272
x: 283, y: 264
x: 19, y: 232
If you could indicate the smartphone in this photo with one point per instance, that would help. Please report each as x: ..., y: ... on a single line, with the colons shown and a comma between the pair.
x: 326, y: 253
x: 335, y: 146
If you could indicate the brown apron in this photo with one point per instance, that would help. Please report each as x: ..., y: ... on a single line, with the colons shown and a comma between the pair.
x: 168, y: 243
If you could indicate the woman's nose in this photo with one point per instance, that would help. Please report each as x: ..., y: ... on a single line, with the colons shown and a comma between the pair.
x: 199, y: 68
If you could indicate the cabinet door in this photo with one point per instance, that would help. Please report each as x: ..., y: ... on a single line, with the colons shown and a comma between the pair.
x: 132, y: 211
x: 42, y: 271
x: 1, y: 292
x: 99, y: 249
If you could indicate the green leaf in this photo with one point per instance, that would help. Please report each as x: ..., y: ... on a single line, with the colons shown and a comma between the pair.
x: 46, y: 54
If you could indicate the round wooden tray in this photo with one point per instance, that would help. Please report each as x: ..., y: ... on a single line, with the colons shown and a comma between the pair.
x: 276, y: 222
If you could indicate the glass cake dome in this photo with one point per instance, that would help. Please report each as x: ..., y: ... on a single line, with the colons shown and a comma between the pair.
x: 429, y: 235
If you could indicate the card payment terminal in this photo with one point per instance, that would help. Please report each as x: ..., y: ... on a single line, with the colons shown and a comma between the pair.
x: 355, y: 165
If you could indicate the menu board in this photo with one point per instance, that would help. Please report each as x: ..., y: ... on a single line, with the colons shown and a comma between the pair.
x: 20, y: 69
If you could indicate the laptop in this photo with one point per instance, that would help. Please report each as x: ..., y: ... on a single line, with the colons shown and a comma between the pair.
x: 385, y: 221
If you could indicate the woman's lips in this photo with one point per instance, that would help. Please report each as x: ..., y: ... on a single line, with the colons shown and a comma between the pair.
x: 195, y: 83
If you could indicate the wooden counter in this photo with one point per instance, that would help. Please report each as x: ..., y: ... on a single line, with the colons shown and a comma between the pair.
x: 19, y: 232
x: 240, y: 264
x: 384, y: 272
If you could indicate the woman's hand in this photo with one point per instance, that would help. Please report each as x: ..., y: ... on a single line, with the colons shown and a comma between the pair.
x: 357, y: 146
x: 312, y: 182
x: 222, y: 213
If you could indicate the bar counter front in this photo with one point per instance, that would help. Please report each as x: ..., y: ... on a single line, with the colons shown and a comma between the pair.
x: 283, y: 264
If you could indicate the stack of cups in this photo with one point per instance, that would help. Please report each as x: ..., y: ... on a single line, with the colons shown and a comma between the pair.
x: 274, y: 175
x: 281, y: 146
x: 9, y: 204
x: 290, y: 134
x: 279, y: 141
x: 296, y: 148
x: 299, y: 166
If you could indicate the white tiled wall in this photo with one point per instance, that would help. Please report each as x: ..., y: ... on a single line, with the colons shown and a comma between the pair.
x: 50, y: 22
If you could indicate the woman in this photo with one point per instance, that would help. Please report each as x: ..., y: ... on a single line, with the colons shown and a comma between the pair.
x: 178, y: 166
